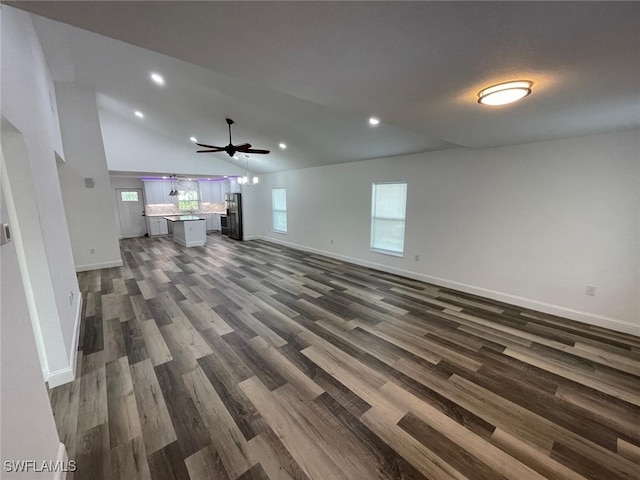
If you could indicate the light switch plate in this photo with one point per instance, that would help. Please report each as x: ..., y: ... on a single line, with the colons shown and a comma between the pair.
x: 5, y: 234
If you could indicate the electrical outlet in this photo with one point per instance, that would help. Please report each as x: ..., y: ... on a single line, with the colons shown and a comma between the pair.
x: 590, y: 290
x: 417, y: 258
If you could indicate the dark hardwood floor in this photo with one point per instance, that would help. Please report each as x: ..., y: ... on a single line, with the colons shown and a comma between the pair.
x: 248, y: 360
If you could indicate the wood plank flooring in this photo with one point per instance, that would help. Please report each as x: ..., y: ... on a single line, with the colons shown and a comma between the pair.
x: 248, y: 360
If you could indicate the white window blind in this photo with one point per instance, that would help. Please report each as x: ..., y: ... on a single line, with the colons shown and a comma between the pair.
x: 388, y: 210
x: 279, y: 197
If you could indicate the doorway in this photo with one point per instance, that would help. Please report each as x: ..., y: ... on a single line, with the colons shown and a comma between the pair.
x: 131, y: 212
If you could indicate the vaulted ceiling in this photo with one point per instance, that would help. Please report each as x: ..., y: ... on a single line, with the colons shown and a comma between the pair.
x: 310, y: 74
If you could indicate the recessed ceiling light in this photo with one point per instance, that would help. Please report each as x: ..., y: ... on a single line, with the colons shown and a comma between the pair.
x: 189, y: 179
x: 157, y: 78
x: 282, y: 145
x: 374, y: 121
x: 226, y: 176
x: 504, y: 93
x: 164, y: 178
x: 193, y: 139
x: 139, y: 114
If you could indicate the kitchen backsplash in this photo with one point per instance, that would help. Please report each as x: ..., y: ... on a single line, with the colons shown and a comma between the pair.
x: 171, y: 209
x: 161, y: 209
x: 213, y: 208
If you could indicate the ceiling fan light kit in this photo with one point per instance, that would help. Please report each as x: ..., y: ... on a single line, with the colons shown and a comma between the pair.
x: 504, y: 93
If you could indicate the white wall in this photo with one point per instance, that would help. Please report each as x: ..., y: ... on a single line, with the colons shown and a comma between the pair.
x: 28, y: 428
x: 29, y: 154
x: 132, y: 148
x: 92, y: 228
x: 531, y: 225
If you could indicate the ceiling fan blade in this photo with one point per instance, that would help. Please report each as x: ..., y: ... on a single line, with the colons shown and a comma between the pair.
x: 256, y: 150
x: 243, y: 147
x: 210, y: 151
x: 208, y: 146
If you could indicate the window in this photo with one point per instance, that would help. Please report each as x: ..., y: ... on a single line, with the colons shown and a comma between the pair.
x: 188, y: 200
x: 279, y: 196
x: 129, y: 196
x: 388, y: 208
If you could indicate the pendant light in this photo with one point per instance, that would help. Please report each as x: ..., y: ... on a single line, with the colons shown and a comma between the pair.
x: 173, y: 191
x: 247, y: 180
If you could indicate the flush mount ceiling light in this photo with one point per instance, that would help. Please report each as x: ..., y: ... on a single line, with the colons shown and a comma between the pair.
x: 157, y: 79
x: 504, y: 93
x: 373, y: 121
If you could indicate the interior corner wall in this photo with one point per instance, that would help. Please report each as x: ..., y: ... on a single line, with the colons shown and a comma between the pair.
x: 27, y: 106
x: 531, y: 225
x: 92, y: 227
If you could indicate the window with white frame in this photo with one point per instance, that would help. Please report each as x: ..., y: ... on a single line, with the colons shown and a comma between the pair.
x: 188, y: 200
x: 388, y: 211
x: 279, y: 203
x: 129, y: 196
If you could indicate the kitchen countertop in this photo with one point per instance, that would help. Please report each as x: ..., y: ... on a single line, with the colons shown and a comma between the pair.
x: 164, y: 215
x: 183, y: 218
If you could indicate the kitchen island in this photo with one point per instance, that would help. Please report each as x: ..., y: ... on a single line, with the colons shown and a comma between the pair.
x: 188, y: 230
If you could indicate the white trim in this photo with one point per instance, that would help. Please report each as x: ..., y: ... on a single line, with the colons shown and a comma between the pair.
x: 193, y: 243
x: 387, y: 252
x: 73, y: 354
x: 60, y: 377
x: 68, y: 374
x: 61, y: 459
x: 566, y: 312
x: 98, y: 266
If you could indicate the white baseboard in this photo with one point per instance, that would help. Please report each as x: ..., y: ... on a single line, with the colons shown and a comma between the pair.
x: 558, y: 310
x: 195, y: 243
x: 98, y: 266
x: 60, y: 377
x: 62, y: 460
x: 68, y: 374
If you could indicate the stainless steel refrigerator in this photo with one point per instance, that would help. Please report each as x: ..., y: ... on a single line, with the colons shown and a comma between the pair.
x: 234, y: 215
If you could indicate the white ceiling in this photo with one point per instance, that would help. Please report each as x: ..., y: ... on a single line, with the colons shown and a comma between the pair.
x: 311, y: 73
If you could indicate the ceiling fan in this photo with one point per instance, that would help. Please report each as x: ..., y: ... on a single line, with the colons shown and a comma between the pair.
x: 231, y: 149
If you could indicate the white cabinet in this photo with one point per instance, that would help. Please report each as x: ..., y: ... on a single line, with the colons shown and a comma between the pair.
x: 211, y: 192
x: 213, y: 222
x: 149, y: 193
x: 157, y: 226
x: 157, y: 192
x: 206, y: 191
x: 166, y: 188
